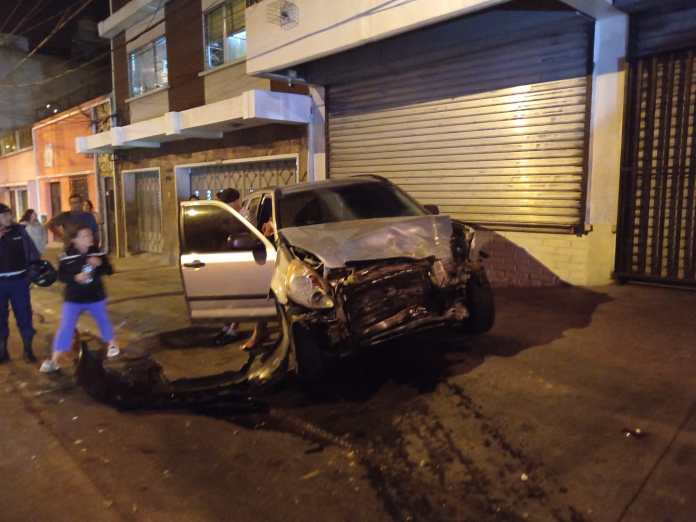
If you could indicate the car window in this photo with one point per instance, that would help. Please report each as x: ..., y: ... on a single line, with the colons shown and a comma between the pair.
x: 208, y: 228
x: 251, y: 211
x: 265, y: 212
x: 344, y: 203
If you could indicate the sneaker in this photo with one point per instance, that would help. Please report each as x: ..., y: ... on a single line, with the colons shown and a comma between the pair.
x: 49, y: 366
x: 112, y: 351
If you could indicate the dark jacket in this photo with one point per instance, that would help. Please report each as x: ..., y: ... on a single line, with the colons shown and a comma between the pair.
x: 71, y: 264
x: 17, y: 250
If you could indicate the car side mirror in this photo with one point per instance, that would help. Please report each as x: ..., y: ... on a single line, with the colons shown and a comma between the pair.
x: 432, y: 209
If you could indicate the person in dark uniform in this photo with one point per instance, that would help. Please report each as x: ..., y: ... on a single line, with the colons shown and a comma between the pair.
x: 17, y: 250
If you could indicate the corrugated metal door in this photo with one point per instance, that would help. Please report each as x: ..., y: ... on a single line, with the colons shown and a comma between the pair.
x: 448, y: 134
x: 245, y: 177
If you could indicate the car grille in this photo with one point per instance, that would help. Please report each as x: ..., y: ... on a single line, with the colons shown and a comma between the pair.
x: 384, y: 297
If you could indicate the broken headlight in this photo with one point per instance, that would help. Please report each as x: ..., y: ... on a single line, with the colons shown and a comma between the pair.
x: 306, y: 288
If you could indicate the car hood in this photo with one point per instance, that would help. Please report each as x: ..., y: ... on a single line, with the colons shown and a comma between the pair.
x: 337, y: 244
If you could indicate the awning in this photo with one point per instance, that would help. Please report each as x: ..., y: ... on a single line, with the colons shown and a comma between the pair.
x: 250, y: 109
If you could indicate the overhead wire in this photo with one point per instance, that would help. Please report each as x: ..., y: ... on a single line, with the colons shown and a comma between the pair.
x: 7, y: 20
x: 26, y: 17
x: 61, y: 23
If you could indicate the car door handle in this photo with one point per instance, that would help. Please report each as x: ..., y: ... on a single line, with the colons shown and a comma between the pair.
x: 195, y: 264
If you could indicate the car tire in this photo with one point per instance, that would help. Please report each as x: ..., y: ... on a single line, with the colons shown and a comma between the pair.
x: 479, y: 301
x: 307, y: 344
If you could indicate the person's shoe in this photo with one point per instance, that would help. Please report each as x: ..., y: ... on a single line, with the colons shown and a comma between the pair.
x: 112, y: 351
x: 28, y: 353
x: 4, y: 352
x: 49, y: 366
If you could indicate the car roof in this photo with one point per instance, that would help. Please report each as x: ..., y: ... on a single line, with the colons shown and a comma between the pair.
x: 313, y: 185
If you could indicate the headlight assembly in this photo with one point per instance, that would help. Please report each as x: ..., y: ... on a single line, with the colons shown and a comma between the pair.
x: 306, y: 288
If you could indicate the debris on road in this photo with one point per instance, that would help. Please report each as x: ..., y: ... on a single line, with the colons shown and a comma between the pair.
x: 635, y: 433
x: 311, y: 474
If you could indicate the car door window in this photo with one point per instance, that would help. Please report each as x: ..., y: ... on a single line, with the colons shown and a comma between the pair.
x: 265, y: 212
x: 252, y: 211
x: 209, y: 229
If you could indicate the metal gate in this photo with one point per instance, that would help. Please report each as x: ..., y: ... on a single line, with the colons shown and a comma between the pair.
x: 657, y: 221
x: 246, y: 177
x: 143, y: 211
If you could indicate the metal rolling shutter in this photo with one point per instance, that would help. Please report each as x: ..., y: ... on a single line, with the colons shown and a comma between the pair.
x: 653, y: 33
x: 495, y: 136
x: 245, y: 177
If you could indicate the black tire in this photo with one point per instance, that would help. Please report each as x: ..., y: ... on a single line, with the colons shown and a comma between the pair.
x: 479, y: 300
x: 311, y: 364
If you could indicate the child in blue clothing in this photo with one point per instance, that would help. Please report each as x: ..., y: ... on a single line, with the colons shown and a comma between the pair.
x: 81, y: 269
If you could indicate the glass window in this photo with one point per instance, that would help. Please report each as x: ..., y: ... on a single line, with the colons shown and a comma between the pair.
x: 24, y: 137
x: 8, y: 142
x: 215, y: 37
x: 344, y: 203
x: 209, y: 229
x: 147, y: 67
x: 225, y: 33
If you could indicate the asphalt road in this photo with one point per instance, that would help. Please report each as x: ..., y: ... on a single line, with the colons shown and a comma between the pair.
x: 529, y: 422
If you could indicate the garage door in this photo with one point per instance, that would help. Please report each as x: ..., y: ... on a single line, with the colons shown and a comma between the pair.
x: 495, y: 135
x: 657, y: 226
x: 246, y: 177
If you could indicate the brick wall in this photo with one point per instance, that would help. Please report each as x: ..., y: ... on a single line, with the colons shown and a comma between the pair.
x: 269, y: 140
x: 539, y: 259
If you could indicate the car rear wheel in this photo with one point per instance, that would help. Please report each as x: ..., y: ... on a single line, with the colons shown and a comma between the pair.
x: 479, y: 300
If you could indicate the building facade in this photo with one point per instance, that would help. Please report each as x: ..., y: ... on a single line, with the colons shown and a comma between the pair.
x: 543, y: 122
x: 510, y: 115
x: 62, y: 171
x: 189, y: 120
x: 17, y: 171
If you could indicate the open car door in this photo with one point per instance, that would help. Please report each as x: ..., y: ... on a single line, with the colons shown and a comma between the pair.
x: 226, y: 263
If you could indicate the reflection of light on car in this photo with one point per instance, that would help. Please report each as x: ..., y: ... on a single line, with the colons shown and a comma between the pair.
x: 192, y: 212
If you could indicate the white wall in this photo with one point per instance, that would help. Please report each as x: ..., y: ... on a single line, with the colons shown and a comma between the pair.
x: 321, y: 28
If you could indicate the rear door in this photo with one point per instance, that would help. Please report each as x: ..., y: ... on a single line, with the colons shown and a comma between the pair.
x: 226, y: 264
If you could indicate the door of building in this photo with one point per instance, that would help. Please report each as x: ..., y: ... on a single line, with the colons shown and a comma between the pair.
x: 657, y: 217
x: 143, y: 205
x: 56, y: 203
x: 20, y: 202
x: 246, y: 177
x: 110, y: 213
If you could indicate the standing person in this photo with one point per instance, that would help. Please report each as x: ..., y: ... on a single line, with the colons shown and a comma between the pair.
x: 81, y: 269
x: 88, y: 207
x: 229, y: 332
x: 37, y: 232
x: 75, y: 217
x: 17, y: 251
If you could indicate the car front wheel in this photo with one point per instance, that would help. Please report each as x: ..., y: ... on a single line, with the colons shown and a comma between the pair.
x: 479, y: 301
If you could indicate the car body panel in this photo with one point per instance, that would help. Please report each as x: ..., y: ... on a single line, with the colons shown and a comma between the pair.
x: 231, y: 285
x: 337, y: 244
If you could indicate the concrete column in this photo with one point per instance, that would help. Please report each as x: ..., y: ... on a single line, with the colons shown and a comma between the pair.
x: 606, y: 126
x: 316, y: 136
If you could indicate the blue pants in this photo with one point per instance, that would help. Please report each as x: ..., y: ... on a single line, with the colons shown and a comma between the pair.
x: 68, y: 320
x: 16, y: 291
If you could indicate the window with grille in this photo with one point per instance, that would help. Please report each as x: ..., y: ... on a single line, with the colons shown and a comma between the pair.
x: 24, y: 138
x: 147, y: 67
x: 8, y: 142
x: 225, y: 33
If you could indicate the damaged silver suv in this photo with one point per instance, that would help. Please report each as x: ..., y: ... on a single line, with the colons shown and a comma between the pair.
x: 348, y: 264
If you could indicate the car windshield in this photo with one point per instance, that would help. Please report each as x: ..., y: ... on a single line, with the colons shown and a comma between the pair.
x: 330, y: 204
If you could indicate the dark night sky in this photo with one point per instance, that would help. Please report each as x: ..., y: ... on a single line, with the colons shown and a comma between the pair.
x: 43, y: 19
